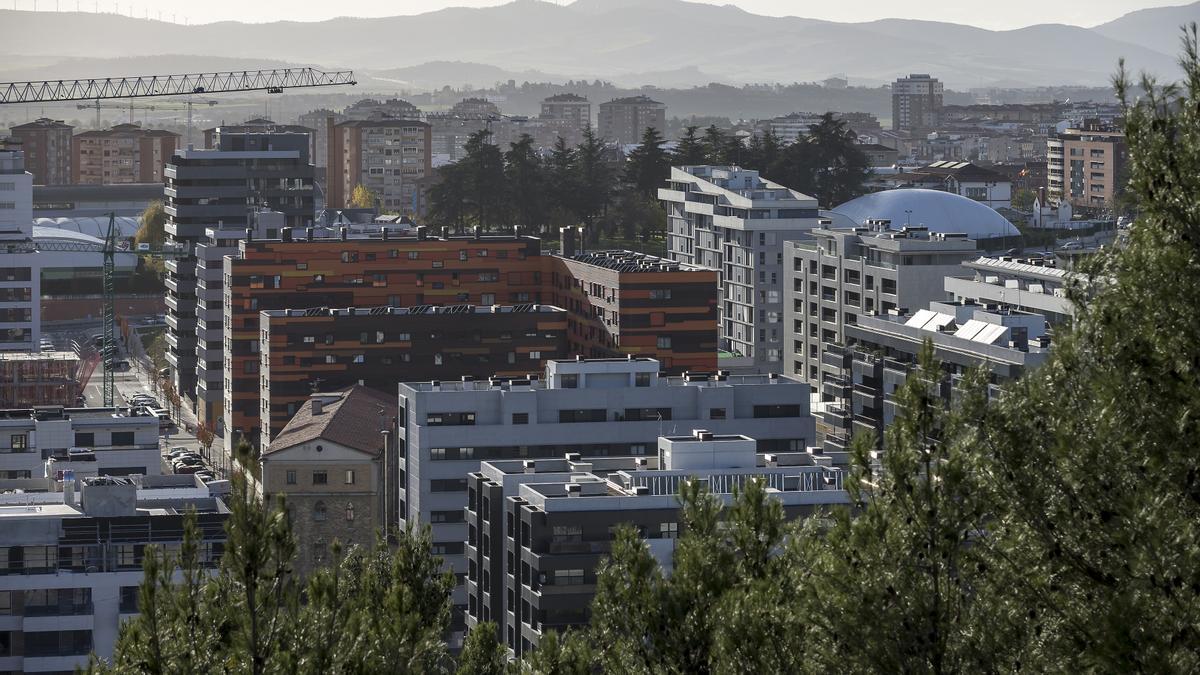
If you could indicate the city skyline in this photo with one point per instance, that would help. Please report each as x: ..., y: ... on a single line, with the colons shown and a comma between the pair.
x: 1085, y: 13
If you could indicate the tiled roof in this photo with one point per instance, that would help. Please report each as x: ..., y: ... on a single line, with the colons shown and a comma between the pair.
x: 352, y: 417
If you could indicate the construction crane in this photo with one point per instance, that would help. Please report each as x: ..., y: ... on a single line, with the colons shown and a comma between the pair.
x: 173, y: 105
x: 109, y: 248
x: 270, y: 81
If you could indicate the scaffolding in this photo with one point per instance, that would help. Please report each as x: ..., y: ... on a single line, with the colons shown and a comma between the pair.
x: 29, y: 379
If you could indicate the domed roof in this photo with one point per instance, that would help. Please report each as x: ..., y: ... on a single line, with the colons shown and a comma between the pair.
x: 939, y: 211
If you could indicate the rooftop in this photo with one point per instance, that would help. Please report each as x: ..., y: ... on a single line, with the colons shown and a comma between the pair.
x: 632, y: 261
x: 941, y: 212
x: 419, y: 310
x: 353, y: 417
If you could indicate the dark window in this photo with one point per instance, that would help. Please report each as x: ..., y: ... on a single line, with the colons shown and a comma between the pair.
x: 570, y: 381
x: 776, y: 411
x: 122, y: 438
x: 716, y: 414
x: 456, y: 419
x: 641, y: 379
x: 85, y: 440
x: 448, y: 485
x: 647, y: 414
x: 520, y: 418
x: 571, y: 416
x: 322, y: 478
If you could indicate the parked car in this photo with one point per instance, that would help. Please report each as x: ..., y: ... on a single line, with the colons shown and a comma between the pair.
x: 189, y: 469
x: 175, y: 453
x: 206, y: 476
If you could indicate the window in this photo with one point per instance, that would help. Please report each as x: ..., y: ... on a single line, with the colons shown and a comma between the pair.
x: 520, y: 418
x: 572, y: 577
x: 350, y: 511
x: 572, y: 416
x: 641, y: 379
x: 716, y: 414
x: 647, y: 414
x: 664, y: 342
x: 660, y: 294
x: 570, y: 381
x: 448, y: 485
x: 122, y: 438
x: 454, y: 516
x: 535, y: 356
x: 84, y: 440
x: 319, y: 512
x: 668, y: 530
x: 450, y: 419
x: 290, y: 477
x: 764, y: 411
x: 19, y: 442
x: 322, y: 478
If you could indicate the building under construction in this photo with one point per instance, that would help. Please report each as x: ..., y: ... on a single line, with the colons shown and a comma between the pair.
x: 29, y: 379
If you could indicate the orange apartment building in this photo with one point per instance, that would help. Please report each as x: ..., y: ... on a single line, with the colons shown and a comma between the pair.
x: 126, y: 153
x: 618, y: 303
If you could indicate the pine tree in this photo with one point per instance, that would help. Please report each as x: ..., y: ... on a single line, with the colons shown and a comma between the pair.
x: 594, y: 179
x: 482, y: 653
x: 689, y: 151
x: 649, y: 166
x: 716, y: 146
x: 527, y: 185
x: 1094, y: 459
x: 484, y: 179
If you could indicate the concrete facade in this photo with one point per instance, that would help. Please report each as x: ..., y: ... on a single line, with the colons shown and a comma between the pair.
x: 20, y: 265
x: 596, y: 408
x: 624, y: 120
x: 842, y: 275
x: 916, y: 103
x: 125, y: 153
x: 107, y: 441
x: 733, y: 221
x: 391, y: 157
x: 47, y: 147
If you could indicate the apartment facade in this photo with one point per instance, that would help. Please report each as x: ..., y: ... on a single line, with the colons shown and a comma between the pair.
x: 607, y: 304
x: 126, y: 153
x: 596, y: 408
x: 624, y: 120
x: 733, y: 221
x: 362, y: 271
x: 916, y: 103
x: 391, y: 157
x: 95, y: 441
x: 841, y: 276
x: 633, y: 303
x: 329, y: 465
x: 318, y: 121
x: 1036, y: 286
x: 551, y: 521
x: 20, y: 268
x: 1084, y: 165
x: 71, y: 562
x: 567, y: 107
x: 222, y: 189
x: 381, y: 346
x: 882, y: 350
x: 47, y: 147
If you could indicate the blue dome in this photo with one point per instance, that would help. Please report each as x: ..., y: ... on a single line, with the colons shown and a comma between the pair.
x: 939, y: 211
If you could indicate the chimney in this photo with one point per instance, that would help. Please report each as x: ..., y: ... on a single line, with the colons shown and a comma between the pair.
x: 478, y: 232
x: 566, y: 247
x: 445, y: 233
x: 421, y: 233
x: 385, y: 233
x: 285, y: 234
x: 344, y: 233
x: 308, y: 232
x: 318, y: 406
x: 249, y: 234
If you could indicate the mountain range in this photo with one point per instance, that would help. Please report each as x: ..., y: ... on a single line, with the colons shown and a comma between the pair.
x: 659, y: 42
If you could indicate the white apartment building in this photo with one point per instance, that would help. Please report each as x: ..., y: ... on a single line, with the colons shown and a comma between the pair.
x: 734, y: 221
x: 96, y: 441
x: 71, y: 562
x: 20, y: 272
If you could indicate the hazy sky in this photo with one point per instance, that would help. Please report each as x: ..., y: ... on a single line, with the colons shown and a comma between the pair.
x: 1003, y: 15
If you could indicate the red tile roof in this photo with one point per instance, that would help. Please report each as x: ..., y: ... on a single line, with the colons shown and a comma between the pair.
x: 352, y: 417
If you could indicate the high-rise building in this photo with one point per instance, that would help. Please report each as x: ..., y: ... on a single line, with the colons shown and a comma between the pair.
x: 733, y: 221
x: 390, y: 157
x: 126, y: 153
x: 47, y: 147
x: 624, y: 120
x: 373, y: 109
x: 1083, y: 165
x: 556, y: 517
x: 20, y: 270
x: 842, y: 275
x: 572, y: 108
x: 916, y: 103
x: 222, y: 189
x: 318, y: 121
x: 256, y: 127
x: 593, y: 408
x: 72, y: 562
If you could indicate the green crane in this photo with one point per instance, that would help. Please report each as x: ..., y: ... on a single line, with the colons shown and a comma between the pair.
x: 109, y: 249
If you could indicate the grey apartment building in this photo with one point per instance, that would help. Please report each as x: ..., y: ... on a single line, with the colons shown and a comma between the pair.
x: 538, y: 530
x: 221, y: 189
x: 880, y: 351
x: 596, y: 408
x: 732, y: 220
x: 842, y: 275
x: 71, y: 562
x: 624, y: 120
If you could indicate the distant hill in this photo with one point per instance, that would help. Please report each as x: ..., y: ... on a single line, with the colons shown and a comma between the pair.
x: 1156, y: 28
x: 664, y: 42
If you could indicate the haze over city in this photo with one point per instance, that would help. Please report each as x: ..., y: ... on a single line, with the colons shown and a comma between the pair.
x: 1015, y: 14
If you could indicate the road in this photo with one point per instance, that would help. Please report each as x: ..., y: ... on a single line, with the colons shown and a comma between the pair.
x: 128, y: 383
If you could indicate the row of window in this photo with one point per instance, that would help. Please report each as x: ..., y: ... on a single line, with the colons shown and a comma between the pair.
x: 319, y: 477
